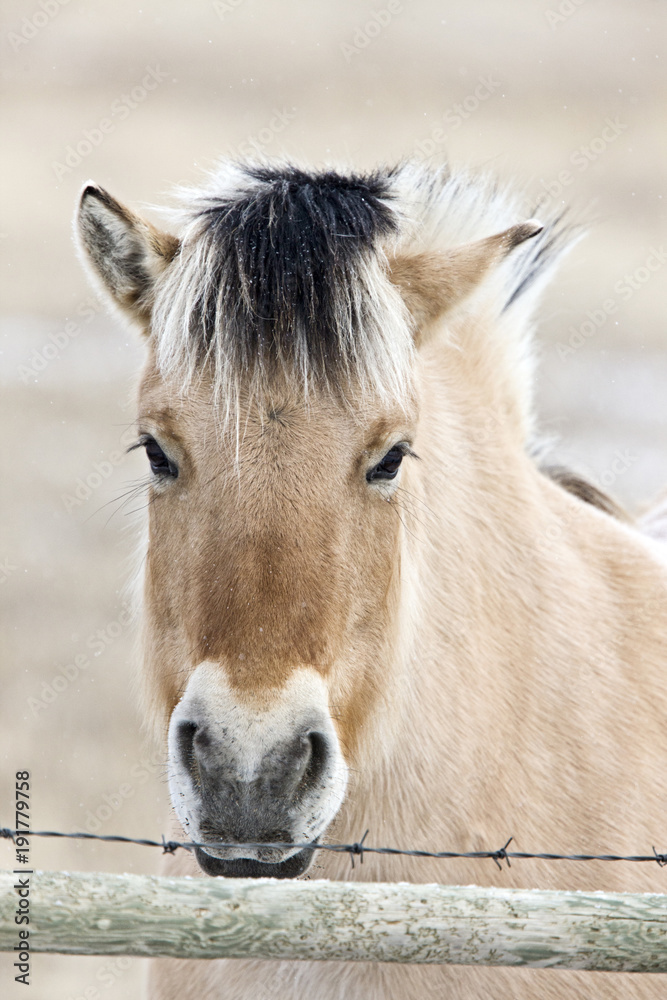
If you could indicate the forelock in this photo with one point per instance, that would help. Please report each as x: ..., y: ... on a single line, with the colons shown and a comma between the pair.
x: 284, y: 269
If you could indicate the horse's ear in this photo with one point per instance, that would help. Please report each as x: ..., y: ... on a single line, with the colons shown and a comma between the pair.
x: 435, y: 282
x: 124, y: 252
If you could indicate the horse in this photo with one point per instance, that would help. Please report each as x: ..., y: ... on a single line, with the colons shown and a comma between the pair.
x: 368, y: 602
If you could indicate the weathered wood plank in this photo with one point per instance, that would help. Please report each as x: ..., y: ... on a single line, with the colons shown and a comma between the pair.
x: 102, y: 914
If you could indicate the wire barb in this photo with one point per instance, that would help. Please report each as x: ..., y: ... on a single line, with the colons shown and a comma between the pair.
x: 169, y: 846
x: 360, y: 848
x: 660, y: 858
x: 502, y: 855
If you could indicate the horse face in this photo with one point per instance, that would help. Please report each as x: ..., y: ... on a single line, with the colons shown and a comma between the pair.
x: 275, y: 593
x: 272, y: 602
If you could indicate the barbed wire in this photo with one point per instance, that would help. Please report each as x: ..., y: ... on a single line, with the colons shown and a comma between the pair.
x: 357, y: 849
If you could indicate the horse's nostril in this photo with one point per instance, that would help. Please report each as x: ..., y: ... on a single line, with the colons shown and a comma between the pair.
x: 287, y: 773
x: 319, y: 754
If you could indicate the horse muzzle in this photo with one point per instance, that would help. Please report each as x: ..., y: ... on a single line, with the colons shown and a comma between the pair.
x: 248, y: 778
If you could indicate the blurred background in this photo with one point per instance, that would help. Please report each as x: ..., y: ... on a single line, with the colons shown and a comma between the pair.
x: 566, y: 98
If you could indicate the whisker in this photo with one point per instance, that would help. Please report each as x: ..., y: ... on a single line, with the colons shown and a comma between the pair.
x: 395, y: 508
x: 125, y: 497
x: 411, y: 514
x: 139, y: 484
x: 128, y: 499
x: 413, y: 496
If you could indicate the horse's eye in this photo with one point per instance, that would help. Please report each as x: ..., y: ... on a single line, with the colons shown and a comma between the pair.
x: 388, y: 467
x: 160, y: 464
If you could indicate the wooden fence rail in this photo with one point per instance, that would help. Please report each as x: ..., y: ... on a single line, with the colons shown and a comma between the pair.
x: 102, y: 914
